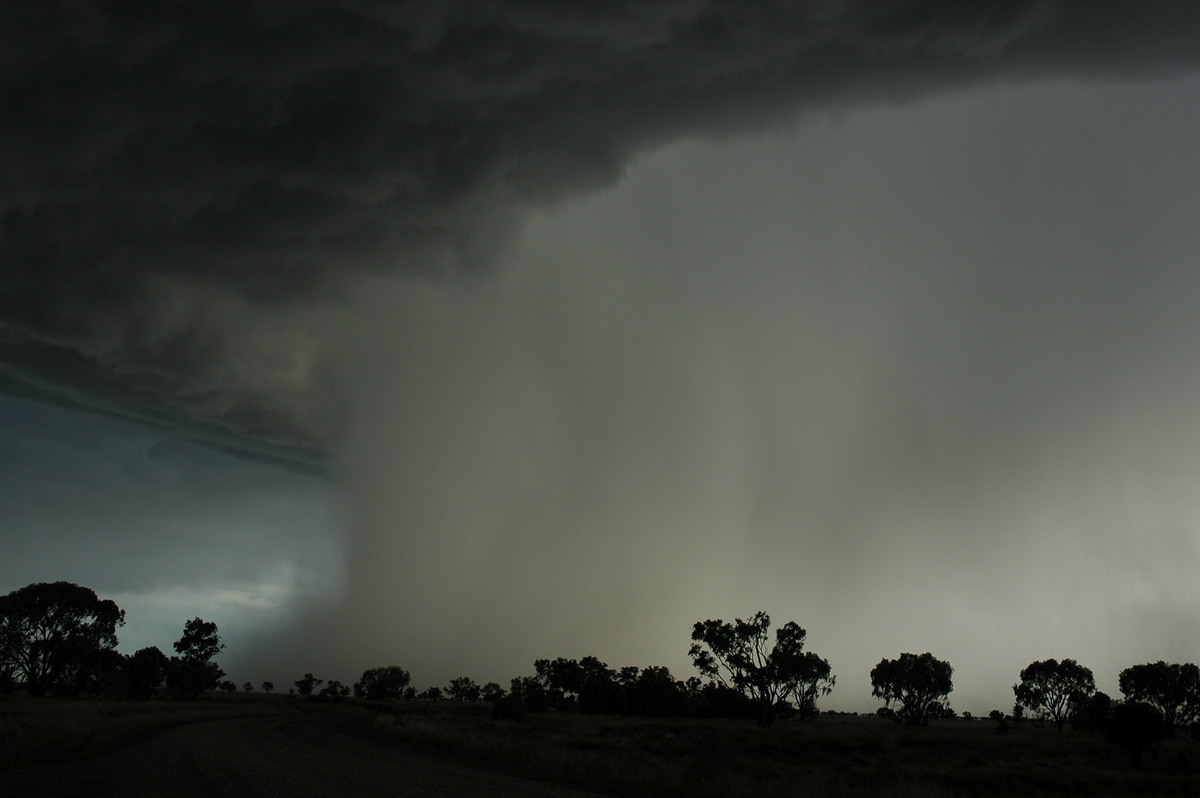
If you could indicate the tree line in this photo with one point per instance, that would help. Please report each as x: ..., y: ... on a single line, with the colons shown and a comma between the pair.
x: 60, y: 639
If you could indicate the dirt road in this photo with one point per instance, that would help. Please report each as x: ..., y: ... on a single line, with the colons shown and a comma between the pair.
x: 323, y: 755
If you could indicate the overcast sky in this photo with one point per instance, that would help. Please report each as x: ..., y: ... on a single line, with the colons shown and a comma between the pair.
x: 379, y: 333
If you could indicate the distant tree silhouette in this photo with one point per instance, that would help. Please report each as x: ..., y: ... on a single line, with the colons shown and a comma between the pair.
x: 736, y: 655
x: 248, y: 687
x: 334, y: 690
x: 627, y: 675
x: 228, y: 686
x: 565, y: 680
x: 193, y: 671
x: 145, y: 673
x: 657, y: 693
x: 431, y: 694
x: 1092, y: 713
x: 1137, y: 727
x: 1172, y: 689
x: 54, y: 635
x: 648, y: 692
x: 562, y: 679
x: 491, y: 692
x: 530, y: 693
x: 268, y: 687
x: 306, y: 685
x: 601, y: 696
x: 98, y: 671
x: 942, y: 710
x: 1051, y: 688
x: 716, y: 700
x: 918, y: 683
x: 463, y: 688
x: 200, y: 641
x: 381, y: 684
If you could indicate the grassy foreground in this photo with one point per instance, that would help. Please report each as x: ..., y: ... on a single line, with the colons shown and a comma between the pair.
x: 834, y: 756
x: 35, y: 731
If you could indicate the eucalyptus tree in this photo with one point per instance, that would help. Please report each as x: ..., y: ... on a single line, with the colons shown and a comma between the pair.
x: 1054, y: 689
x: 917, y: 683
x: 1172, y: 689
x: 52, y: 634
x: 739, y: 655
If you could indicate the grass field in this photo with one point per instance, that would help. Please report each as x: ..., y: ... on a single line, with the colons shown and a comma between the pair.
x: 834, y: 756
x: 34, y: 731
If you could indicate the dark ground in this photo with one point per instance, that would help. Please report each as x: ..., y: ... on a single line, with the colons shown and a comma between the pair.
x: 322, y: 755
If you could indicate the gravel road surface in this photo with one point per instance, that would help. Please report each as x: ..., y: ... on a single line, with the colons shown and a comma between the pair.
x: 319, y: 755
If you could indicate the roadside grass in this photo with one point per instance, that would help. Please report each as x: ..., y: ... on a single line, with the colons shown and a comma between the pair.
x: 39, y: 730
x: 834, y: 756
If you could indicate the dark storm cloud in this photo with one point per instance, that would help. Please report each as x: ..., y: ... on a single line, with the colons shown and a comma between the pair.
x: 180, y: 181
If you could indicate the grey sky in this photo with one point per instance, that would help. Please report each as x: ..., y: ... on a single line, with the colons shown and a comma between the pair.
x: 879, y: 318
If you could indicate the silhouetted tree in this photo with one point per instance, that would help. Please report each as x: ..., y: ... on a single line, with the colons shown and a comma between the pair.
x: 736, y: 655
x: 716, y: 700
x: 593, y: 668
x: 807, y: 678
x: 1173, y: 690
x: 200, y: 641
x: 562, y: 678
x: 1092, y: 713
x: 248, y: 687
x: 1050, y: 688
x: 463, y: 689
x: 381, y: 684
x: 491, y: 692
x: 145, y: 673
x: 307, y: 684
x: 565, y: 680
x: 96, y: 671
x: 942, y: 710
x: 228, y: 686
x: 51, y: 634
x: 268, y: 687
x: 656, y: 693
x: 1137, y: 727
x: 605, y: 696
x: 431, y: 694
x: 334, y: 690
x: 193, y: 671
x: 917, y: 683
x: 530, y: 692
